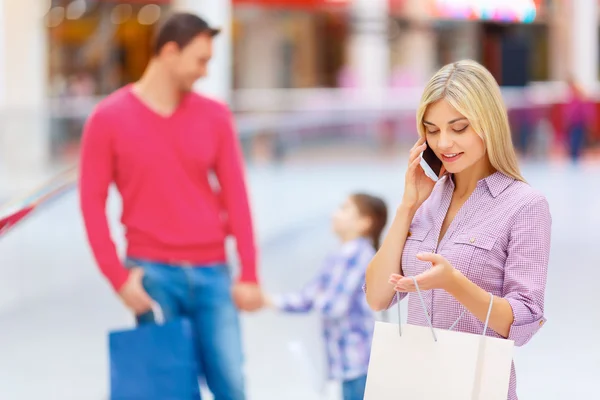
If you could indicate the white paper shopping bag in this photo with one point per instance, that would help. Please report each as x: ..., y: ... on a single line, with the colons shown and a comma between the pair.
x: 423, y: 363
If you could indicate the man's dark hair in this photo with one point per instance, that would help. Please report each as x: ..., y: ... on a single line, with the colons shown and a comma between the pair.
x: 181, y: 28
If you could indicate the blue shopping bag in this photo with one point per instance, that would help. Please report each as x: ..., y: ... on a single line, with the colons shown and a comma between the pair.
x: 154, y: 362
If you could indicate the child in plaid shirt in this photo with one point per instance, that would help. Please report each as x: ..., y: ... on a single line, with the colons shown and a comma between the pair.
x: 336, y: 292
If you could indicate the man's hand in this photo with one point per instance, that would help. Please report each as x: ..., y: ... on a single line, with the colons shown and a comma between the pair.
x: 133, y: 294
x: 247, y: 296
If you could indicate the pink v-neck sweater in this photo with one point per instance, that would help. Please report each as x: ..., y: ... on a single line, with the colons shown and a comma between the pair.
x: 173, y: 210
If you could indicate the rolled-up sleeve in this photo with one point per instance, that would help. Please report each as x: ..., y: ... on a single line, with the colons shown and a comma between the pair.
x: 526, y: 269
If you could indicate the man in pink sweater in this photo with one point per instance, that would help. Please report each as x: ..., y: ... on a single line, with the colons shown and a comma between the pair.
x: 162, y: 145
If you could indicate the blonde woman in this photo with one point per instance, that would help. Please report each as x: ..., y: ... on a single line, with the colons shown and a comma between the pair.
x: 480, y: 229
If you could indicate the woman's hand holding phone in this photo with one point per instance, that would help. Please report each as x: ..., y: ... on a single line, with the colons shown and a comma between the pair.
x: 417, y: 185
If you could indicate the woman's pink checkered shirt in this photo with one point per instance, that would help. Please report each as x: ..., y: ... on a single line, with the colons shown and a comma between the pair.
x: 500, y: 240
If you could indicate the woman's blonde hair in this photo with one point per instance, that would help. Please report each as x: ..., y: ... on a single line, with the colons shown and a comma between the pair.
x: 472, y: 91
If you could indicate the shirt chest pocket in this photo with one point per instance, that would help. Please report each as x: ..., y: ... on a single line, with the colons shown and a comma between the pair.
x: 470, y: 252
x: 412, y: 246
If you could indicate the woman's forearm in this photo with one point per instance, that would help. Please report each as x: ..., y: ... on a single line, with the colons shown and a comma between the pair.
x: 387, y: 260
x: 477, y: 301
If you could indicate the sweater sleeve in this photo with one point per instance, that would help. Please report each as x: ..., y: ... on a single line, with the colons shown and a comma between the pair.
x: 231, y: 175
x: 96, y: 176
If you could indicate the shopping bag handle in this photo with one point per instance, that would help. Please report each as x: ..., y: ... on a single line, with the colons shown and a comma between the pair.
x: 487, y: 318
x: 424, y: 310
x: 159, y: 315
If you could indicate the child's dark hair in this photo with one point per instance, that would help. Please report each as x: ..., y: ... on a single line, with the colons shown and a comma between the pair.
x: 375, y: 209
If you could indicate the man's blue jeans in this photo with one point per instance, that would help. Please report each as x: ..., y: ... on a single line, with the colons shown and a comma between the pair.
x: 202, y: 294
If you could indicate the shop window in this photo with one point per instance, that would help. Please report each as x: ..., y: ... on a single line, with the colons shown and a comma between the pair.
x: 97, y: 46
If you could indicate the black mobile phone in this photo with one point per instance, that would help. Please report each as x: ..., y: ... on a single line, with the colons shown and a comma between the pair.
x: 433, y: 162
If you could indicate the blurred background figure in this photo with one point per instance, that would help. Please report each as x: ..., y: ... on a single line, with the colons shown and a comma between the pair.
x: 323, y: 94
x: 577, y: 119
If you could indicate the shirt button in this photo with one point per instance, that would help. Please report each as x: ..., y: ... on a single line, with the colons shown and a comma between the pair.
x: 541, y: 322
x: 409, y: 234
x: 472, y: 240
